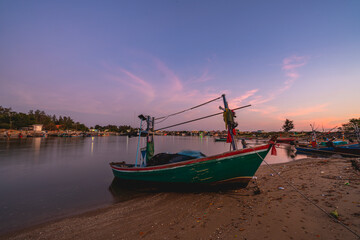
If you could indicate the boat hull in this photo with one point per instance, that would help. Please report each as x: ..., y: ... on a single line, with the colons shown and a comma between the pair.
x: 232, y: 167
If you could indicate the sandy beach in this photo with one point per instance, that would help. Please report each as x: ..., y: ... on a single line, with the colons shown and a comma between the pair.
x: 267, y: 209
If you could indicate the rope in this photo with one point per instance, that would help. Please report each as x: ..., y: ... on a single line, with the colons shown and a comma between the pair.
x: 197, y: 119
x: 313, y: 203
x: 189, y: 108
x: 162, y: 120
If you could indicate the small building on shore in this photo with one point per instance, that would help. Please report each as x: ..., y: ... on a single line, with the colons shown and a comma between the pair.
x: 37, y: 127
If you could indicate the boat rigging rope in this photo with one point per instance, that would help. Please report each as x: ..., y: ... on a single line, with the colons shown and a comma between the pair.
x: 304, y: 196
x: 200, y: 118
x: 173, y: 114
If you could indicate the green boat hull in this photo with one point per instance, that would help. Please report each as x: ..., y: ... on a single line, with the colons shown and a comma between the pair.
x: 236, y: 166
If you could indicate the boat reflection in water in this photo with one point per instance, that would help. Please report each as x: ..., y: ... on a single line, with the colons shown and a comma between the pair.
x: 125, y: 190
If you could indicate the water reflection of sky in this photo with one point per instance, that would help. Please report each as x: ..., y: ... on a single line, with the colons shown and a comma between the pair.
x: 46, y: 178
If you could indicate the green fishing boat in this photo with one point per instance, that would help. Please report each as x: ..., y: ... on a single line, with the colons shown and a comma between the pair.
x: 191, y: 167
x: 234, y: 166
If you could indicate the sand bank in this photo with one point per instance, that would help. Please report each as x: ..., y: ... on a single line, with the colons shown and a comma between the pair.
x: 275, y: 212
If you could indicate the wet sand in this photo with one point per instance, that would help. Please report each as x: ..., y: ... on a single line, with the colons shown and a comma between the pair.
x: 267, y: 209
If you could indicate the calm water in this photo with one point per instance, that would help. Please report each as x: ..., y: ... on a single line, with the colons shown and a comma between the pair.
x: 48, y: 178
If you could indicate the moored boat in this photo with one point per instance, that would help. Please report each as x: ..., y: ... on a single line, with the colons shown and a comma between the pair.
x: 331, y: 147
x: 236, y: 166
x: 220, y: 139
x: 344, y: 150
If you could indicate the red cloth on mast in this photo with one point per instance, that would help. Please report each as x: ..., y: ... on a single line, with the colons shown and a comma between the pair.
x: 228, y: 139
x: 273, y: 148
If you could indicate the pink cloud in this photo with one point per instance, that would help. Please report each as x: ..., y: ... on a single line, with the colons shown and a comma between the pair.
x: 169, y: 74
x: 294, y: 62
x: 257, y: 100
x: 308, y: 110
x: 289, y: 66
x: 265, y: 111
x: 292, y: 75
x: 135, y: 82
x: 239, y: 100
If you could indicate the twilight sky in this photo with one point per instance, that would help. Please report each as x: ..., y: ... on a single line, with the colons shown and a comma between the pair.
x: 105, y: 62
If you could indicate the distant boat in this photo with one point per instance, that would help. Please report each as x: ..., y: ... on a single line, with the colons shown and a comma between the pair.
x: 336, y: 143
x: 328, y: 148
x: 353, y: 145
x: 220, y: 139
x: 352, y: 150
x: 236, y: 166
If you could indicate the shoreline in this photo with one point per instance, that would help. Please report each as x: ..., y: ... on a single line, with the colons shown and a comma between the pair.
x: 274, y: 213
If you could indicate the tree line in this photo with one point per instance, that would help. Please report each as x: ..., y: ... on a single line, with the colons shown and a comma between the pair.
x: 114, y: 128
x: 346, y: 127
x: 10, y: 119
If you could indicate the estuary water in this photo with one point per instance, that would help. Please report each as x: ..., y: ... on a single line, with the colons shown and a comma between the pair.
x: 43, y: 179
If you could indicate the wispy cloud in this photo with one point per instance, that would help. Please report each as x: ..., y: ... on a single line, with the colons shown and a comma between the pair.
x: 133, y: 81
x: 308, y: 110
x: 265, y: 111
x: 290, y: 66
x: 169, y: 75
x: 294, y: 62
x: 166, y: 90
x: 203, y: 78
x: 257, y: 100
x: 240, y: 100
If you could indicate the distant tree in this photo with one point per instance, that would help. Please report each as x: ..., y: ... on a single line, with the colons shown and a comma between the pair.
x: 112, y: 128
x: 349, y: 125
x: 51, y: 126
x: 67, y: 123
x: 288, y: 125
x: 5, y: 114
x: 98, y: 127
x: 20, y: 120
x: 82, y: 127
x: 125, y: 129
